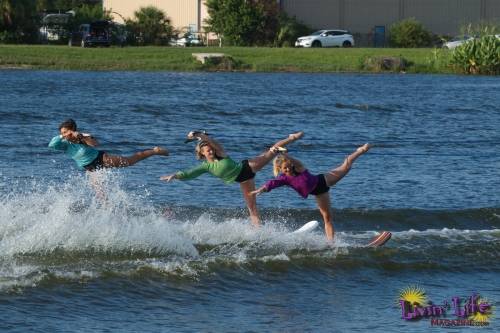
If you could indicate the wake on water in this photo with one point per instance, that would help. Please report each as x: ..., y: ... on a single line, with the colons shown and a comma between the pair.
x: 62, y: 232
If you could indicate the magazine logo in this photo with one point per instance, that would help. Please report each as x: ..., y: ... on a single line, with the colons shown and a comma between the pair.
x: 469, y: 311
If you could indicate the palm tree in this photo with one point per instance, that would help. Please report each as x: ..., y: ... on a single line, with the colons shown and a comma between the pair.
x: 18, y: 20
x: 6, y: 13
x: 153, y: 24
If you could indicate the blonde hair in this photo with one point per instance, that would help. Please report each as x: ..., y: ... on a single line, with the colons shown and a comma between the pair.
x: 200, y: 145
x: 277, y: 162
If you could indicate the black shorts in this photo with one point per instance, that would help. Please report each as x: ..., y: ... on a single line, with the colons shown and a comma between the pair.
x: 96, y: 164
x: 321, y: 187
x: 246, y: 172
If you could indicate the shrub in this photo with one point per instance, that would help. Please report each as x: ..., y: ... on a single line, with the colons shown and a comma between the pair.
x: 242, y: 22
x: 478, y: 56
x: 409, y: 33
x: 88, y: 14
x: 18, y: 22
x: 384, y: 63
x: 9, y: 37
x: 479, y: 29
x: 289, y: 30
x: 222, y: 64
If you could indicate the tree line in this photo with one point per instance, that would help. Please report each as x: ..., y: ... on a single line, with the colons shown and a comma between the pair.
x: 20, y: 20
x: 235, y: 22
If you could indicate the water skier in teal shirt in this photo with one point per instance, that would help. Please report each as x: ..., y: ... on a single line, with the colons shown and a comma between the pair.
x: 219, y: 164
x: 82, y: 149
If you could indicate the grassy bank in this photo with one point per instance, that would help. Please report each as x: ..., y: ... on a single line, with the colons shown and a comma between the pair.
x: 245, y: 58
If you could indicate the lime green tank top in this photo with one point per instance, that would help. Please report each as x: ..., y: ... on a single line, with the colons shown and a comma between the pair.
x: 225, y: 169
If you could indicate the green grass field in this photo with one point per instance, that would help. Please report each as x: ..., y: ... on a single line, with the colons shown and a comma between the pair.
x: 253, y: 59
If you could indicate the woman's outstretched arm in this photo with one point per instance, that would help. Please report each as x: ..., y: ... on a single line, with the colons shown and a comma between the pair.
x: 271, y: 184
x: 87, y: 139
x: 187, y: 174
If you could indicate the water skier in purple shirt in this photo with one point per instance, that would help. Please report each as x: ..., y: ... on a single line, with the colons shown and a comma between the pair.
x: 291, y: 172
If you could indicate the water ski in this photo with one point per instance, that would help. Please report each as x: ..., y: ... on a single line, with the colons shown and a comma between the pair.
x: 380, y: 239
x: 311, y: 225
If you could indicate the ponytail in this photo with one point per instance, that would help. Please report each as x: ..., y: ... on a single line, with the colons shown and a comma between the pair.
x: 277, y: 164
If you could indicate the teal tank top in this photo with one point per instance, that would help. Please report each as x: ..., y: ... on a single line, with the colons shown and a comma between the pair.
x: 82, y: 154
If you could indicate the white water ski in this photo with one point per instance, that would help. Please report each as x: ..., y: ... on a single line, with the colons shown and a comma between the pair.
x: 380, y: 239
x: 309, y: 226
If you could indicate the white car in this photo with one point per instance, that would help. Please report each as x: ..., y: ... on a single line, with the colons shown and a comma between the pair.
x: 457, y: 41
x: 326, y: 38
x: 189, y: 40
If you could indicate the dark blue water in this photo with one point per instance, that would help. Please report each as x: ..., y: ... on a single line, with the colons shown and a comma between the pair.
x: 182, y: 256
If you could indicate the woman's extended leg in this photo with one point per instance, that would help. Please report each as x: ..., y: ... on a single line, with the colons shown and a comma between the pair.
x: 338, y: 173
x: 323, y: 201
x: 110, y: 161
x: 251, y: 200
x: 258, y: 162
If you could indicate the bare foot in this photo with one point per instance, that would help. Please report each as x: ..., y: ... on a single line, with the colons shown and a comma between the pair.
x: 296, y: 136
x: 278, y: 149
x: 364, y: 148
x: 160, y: 151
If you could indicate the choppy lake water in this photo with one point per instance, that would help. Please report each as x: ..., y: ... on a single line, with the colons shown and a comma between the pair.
x: 183, y: 257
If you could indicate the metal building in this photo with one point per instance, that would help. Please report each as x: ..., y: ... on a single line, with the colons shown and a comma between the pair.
x: 185, y: 15
x: 367, y: 19
x: 445, y: 17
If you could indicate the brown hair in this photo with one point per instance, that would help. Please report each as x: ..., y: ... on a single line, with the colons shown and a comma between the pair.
x: 69, y: 124
x: 200, y: 145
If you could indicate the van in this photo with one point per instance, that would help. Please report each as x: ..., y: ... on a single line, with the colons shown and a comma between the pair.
x: 93, y: 34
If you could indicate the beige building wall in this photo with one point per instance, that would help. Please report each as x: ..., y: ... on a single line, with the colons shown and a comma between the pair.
x: 203, y: 15
x: 445, y: 16
x: 360, y: 16
x: 182, y: 13
x: 318, y: 14
x: 492, y: 10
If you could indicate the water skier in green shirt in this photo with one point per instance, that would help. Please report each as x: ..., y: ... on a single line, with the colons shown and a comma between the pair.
x: 219, y: 164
